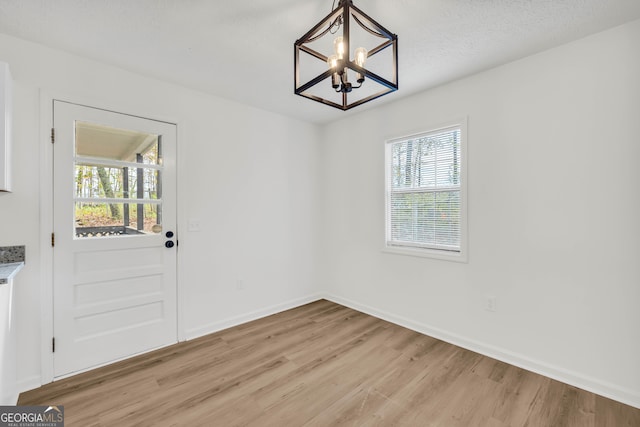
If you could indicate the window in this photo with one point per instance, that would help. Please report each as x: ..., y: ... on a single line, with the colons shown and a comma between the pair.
x: 117, y: 181
x: 425, y: 200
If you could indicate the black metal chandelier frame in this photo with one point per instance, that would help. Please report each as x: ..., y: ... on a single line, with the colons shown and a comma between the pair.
x: 340, y: 17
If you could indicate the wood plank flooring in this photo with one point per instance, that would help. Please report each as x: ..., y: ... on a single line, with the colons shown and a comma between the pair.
x: 322, y: 364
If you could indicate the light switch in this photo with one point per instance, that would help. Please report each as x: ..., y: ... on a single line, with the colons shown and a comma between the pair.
x: 193, y: 225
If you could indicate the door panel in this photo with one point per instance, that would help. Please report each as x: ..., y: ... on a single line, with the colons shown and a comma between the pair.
x: 114, y: 201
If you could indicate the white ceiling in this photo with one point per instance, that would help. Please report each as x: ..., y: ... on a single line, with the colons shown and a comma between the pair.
x: 243, y: 49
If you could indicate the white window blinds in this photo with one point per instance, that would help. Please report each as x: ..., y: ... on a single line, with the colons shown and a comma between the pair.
x: 424, y: 191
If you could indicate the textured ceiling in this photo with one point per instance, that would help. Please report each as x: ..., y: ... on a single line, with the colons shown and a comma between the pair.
x: 243, y: 49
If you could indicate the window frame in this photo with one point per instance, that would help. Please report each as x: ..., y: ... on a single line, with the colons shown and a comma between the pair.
x: 415, y: 250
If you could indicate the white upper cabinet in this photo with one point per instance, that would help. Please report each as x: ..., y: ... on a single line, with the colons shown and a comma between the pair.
x: 5, y: 127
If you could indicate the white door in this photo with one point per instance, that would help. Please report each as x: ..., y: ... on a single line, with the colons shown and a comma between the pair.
x: 114, y: 273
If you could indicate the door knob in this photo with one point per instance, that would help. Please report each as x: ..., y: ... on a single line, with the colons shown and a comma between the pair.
x: 169, y: 234
x: 169, y: 244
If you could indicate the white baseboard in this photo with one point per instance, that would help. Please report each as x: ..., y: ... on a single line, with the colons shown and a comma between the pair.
x: 248, y: 317
x: 576, y: 379
x: 26, y: 384
x: 585, y: 382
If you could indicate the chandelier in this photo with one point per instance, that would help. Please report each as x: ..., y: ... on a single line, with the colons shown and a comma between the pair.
x: 344, y: 60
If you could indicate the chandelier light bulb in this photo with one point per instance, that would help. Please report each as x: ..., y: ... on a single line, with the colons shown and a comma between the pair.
x: 332, y: 62
x: 338, y: 46
x: 360, y: 59
x: 361, y: 56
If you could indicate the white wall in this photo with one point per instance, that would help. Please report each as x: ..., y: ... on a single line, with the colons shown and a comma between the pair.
x: 554, y: 203
x: 247, y: 175
x: 553, y: 207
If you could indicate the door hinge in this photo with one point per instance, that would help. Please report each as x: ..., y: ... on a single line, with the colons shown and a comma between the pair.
x: 53, y: 135
x: 53, y: 240
x: 53, y: 344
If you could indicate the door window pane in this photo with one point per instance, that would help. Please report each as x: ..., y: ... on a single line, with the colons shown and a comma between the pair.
x: 117, y: 181
x: 95, y: 182
x: 110, y: 219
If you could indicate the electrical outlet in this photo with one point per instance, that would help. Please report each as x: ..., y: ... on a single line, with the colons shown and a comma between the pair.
x: 239, y: 284
x: 490, y: 303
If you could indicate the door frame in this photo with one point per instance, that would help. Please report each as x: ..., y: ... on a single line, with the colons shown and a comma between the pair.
x: 46, y: 217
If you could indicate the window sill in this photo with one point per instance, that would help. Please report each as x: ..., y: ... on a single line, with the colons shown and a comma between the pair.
x: 427, y: 253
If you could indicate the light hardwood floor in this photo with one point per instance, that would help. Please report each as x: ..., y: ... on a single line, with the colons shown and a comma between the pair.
x: 322, y: 364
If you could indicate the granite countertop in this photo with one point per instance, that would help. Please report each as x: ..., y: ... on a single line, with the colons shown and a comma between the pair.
x: 8, y: 271
x: 11, y: 261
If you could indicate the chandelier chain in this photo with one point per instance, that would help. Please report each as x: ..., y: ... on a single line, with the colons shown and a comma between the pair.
x: 336, y: 22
